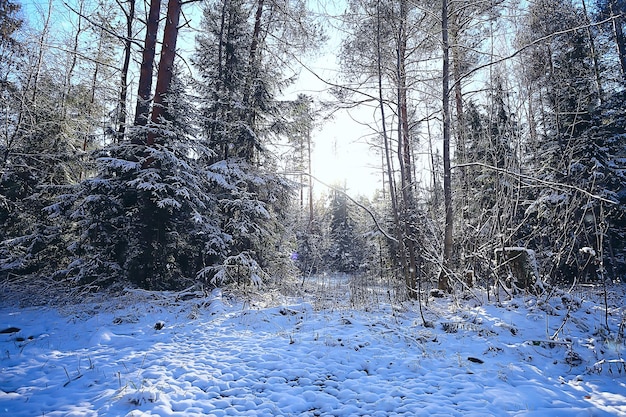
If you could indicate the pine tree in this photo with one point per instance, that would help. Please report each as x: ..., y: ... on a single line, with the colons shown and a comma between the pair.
x: 238, y: 116
x: 47, y: 124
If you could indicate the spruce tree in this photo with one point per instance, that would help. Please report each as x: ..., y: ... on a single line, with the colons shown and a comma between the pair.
x: 346, y: 251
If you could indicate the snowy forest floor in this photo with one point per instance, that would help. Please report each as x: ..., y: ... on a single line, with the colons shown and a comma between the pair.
x: 146, y: 354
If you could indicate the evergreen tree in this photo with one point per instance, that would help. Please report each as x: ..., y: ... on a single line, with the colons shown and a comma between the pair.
x: 46, y: 127
x: 150, y: 226
x: 598, y: 167
x: 346, y: 251
x: 222, y: 60
x: 238, y: 116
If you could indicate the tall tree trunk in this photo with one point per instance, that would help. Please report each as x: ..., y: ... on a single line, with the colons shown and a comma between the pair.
x: 74, y: 56
x: 218, y: 113
x: 393, y: 195
x: 142, y: 110
x: 619, y: 36
x: 256, y: 34
x: 248, y: 98
x: 460, y: 113
x: 404, y: 145
x: 39, y: 63
x: 404, y: 153
x: 456, y: 26
x: 121, y: 117
x: 458, y: 93
x: 301, y: 167
x: 309, y: 169
x: 594, y: 54
x: 443, y: 283
x: 166, y: 65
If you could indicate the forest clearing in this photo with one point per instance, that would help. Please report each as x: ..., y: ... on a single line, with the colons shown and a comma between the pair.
x: 315, y: 355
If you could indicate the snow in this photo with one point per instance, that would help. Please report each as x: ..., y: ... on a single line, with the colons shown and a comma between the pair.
x: 149, y: 354
x: 589, y: 251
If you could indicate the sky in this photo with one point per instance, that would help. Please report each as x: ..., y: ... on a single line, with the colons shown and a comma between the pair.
x: 341, y: 154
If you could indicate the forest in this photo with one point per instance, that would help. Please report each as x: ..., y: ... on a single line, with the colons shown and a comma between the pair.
x: 150, y: 144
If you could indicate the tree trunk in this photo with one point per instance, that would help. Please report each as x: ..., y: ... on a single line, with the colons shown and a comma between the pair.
x: 404, y: 155
x: 67, y: 87
x: 594, y: 54
x: 166, y: 65
x: 460, y: 113
x: 248, y: 99
x: 144, y: 88
x: 42, y: 39
x: 458, y: 93
x: 443, y: 283
x: 309, y: 169
x: 619, y: 37
x: 256, y: 34
x: 393, y: 194
x: 121, y: 117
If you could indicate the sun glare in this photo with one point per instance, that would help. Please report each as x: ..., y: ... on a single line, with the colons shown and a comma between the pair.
x: 344, y: 163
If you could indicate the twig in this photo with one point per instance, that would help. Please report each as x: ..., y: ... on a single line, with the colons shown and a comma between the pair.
x: 550, y: 184
x: 567, y: 316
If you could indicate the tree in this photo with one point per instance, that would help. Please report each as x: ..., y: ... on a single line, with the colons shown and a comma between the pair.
x: 447, y: 173
x: 166, y: 65
x: 398, y: 49
x: 297, y: 124
x: 238, y: 78
x: 492, y: 215
x: 614, y: 10
x: 222, y: 63
x: 240, y: 64
x: 10, y: 22
x: 49, y: 121
x: 567, y: 220
x: 144, y: 87
x: 153, y: 225
x: 346, y: 251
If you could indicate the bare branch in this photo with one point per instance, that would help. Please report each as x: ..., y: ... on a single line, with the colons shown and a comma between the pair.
x: 550, y: 184
x: 529, y: 45
x: 372, y: 215
x: 104, y: 28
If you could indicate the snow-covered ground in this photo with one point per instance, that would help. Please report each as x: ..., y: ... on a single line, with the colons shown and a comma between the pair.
x: 219, y: 356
